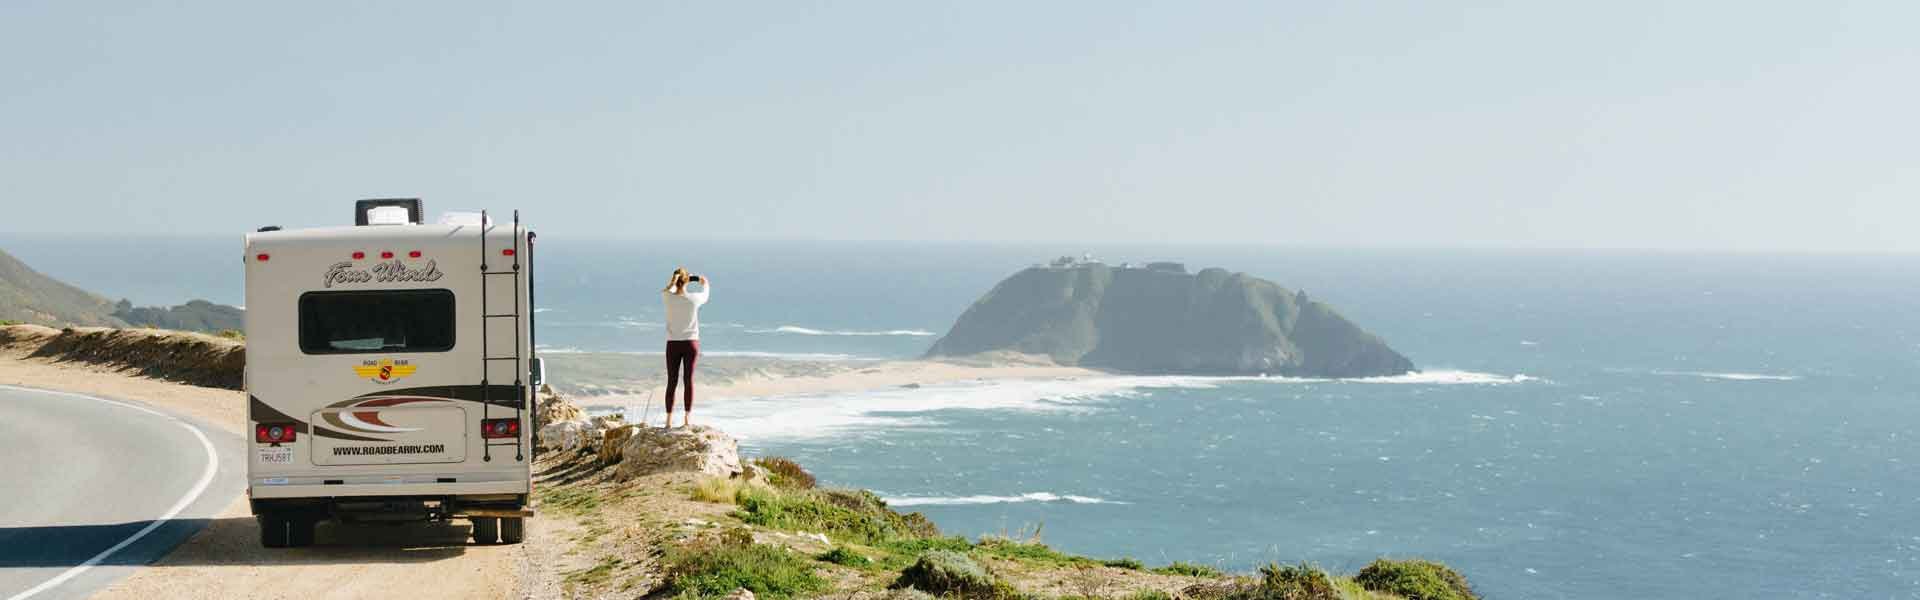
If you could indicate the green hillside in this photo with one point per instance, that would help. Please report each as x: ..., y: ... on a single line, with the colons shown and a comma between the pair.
x: 30, y: 297
x: 27, y: 296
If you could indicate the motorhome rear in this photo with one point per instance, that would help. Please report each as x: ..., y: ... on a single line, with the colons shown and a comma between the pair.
x: 389, y: 372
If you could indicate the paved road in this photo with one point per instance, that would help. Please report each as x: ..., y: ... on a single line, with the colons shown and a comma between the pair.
x: 94, y: 488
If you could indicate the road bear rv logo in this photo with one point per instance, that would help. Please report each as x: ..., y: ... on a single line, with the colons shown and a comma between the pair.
x: 384, y: 371
x: 386, y: 272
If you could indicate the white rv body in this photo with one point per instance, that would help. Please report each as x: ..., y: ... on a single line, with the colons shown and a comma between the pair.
x: 373, y: 343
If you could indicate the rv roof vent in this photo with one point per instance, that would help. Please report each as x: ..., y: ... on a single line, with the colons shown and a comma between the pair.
x: 268, y: 228
x: 465, y: 218
x: 387, y: 215
x: 363, y: 209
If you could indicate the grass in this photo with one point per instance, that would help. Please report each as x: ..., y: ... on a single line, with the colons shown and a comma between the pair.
x: 5, y: 322
x: 1124, y: 563
x: 1031, y: 552
x: 1188, y: 569
x: 852, y: 516
x: 719, y: 490
x: 713, y: 571
x: 570, y: 499
x: 232, y: 334
x: 595, y: 575
x: 784, y: 473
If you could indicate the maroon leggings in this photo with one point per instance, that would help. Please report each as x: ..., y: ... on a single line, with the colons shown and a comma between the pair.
x: 680, y: 357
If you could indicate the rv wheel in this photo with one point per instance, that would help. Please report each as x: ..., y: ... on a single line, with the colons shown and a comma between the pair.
x: 274, y: 530
x: 512, y: 529
x: 486, y: 530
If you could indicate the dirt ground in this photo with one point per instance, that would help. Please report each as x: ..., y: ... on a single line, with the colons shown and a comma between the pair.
x: 225, y: 560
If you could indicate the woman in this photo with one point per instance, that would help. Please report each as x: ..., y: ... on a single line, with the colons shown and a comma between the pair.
x: 683, y: 335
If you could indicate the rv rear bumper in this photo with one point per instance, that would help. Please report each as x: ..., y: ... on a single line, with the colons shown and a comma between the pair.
x: 357, y: 490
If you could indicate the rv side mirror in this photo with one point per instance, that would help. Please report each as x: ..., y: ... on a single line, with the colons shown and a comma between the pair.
x: 537, y: 374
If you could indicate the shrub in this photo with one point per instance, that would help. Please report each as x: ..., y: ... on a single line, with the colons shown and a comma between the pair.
x: 5, y: 322
x: 830, y: 512
x: 736, y: 536
x: 1124, y: 563
x: 1148, y: 595
x: 1415, y: 579
x: 948, y: 573
x: 232, y: 334
x: 715, y: 571
x: 1189, y: 570
x: 784, y: 473
x: 840, y: 555
x: 1293, y: 582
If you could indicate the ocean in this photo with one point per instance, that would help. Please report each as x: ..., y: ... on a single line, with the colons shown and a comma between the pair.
x: 1587, y: 424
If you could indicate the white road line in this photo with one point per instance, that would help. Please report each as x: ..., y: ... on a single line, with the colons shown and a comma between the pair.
x: 200, y: 487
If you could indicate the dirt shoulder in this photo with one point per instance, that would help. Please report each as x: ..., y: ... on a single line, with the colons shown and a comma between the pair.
x: 225, y: 559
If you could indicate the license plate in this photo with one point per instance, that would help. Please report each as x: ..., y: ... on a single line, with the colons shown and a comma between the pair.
x: 280, y: 455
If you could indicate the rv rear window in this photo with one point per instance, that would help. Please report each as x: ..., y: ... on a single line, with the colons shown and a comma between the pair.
x: 384, y: 321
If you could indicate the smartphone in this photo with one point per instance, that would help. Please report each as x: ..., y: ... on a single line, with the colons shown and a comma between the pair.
x: 693, y: 278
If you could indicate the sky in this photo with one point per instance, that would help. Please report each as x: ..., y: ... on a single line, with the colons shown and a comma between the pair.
x: 1704, y: 125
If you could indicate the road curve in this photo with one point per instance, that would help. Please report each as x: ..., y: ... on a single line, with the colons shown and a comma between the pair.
x: 99, y: 487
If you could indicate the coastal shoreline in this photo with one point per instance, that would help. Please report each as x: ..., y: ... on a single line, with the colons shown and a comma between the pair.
x: 618, y: 381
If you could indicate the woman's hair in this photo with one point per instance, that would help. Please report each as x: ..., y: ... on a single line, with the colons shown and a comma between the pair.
x: 677, y: 282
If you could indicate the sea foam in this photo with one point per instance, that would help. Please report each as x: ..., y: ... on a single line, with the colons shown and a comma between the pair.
x: 797, y: 330
x: 976, y: 500
x: 820, y: 416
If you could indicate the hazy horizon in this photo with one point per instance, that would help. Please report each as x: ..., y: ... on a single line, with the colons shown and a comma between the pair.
x: 1707, y: 127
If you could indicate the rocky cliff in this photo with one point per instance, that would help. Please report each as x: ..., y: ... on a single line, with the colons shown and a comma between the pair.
x: 1164, y: 321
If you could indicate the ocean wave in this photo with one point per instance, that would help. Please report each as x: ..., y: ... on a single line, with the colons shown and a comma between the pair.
x: 797, y: 330
x: 1730, y: 376
x: 823, y: 416
x: 1448, y: 377
x: 977, y: 500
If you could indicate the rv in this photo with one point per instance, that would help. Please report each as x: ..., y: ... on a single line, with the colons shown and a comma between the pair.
x: 389, y: 372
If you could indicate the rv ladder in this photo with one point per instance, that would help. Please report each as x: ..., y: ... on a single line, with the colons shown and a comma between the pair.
x: 486, y: 352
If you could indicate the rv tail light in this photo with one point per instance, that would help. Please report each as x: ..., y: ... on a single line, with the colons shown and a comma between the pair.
x: 260, y: 257
x: 359, y: 255
x: 387, y: 254
x: 413, y: 254
x: 273, y: 433
x: 507, y: 252
x: 500, y: 428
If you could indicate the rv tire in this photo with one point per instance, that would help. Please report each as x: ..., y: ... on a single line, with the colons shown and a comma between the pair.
x: 486, y: 530
x: 512, y: 530
x: 275, y: 530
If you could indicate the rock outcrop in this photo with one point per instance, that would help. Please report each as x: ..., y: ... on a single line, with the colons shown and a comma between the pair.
x: 1166, y: 321
x: 564, y: 426
x: 700, y: 449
